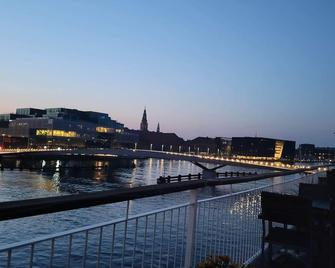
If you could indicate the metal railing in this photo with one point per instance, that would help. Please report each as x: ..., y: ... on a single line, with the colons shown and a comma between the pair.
x: 219, y: 175
x: 178, y: 236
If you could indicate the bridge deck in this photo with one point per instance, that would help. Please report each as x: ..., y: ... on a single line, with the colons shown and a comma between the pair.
x: 108, y: 154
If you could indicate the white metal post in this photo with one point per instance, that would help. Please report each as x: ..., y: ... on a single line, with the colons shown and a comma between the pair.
x: 191, y: 227
x: 125, y: 233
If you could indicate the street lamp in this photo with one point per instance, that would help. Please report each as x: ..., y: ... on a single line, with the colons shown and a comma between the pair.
x: 151, y: 146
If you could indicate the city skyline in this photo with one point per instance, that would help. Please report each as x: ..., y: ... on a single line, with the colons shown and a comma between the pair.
x: 224, y: 69
x: 144, y: 126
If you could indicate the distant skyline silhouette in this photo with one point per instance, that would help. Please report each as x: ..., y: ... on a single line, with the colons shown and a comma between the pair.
x: 201, y: 68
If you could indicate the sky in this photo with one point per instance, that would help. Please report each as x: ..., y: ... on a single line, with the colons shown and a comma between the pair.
x: 201, y: 68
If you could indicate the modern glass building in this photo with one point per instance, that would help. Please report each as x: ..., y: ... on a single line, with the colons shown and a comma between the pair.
x: 60, y: 127
x: 263, y: 148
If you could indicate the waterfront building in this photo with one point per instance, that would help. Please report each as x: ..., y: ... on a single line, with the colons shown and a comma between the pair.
x: 160, y: 141
x: 30, y: 112
x: 144, y: 122
x: 206, y: 145
x: 60, y: 127
x: 10, y: 116
x: 306, y: 151
x: 263, y: 148
x: 325, y: 153
x: 151, y: 140
x: 202, y: 145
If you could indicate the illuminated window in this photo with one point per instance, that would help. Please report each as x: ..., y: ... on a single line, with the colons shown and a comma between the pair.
x: 103, y: 130
x: 43, y: 132
x: 56, y: 133
x: 62, y: 133
x: 279, y: 149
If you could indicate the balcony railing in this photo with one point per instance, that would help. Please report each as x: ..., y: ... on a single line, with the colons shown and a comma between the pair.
x: 178, y: 236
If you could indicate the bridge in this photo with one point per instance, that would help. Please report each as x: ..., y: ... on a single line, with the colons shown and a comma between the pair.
x: 129, y: 154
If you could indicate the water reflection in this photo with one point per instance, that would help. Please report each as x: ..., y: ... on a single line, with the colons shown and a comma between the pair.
x: 73, y: 177
x: 25, y: 184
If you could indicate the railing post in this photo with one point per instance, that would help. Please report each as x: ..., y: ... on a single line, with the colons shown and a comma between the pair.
x: 125, y: 234
x: 191, y: 227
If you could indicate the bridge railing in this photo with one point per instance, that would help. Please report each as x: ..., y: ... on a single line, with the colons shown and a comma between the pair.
x: 219, y: 175
x: 178, y: 236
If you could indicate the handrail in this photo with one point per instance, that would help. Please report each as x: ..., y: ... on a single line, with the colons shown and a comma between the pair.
x: 199, y: 176
x: 132, y: 217
x: 32, y: 207
x: 219, y: 173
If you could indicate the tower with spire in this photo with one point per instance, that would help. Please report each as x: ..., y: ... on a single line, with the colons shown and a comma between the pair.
x: 144, y: 122
x: 158, y: 128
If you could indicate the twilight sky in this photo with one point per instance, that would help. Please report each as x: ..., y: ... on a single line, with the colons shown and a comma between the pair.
x: 202, y: 68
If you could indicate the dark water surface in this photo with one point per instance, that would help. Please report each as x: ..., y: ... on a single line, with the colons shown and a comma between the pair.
x: 17, y: 185
x: 154, y: 232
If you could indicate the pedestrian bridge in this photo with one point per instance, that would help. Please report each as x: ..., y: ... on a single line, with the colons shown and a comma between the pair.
x: 108, y: 154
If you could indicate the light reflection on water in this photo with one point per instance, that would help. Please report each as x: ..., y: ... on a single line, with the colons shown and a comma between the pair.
x: 15, y: 185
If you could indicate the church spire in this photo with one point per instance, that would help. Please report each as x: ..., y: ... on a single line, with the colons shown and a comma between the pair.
x: 158, y: 128
x: 144, y: 123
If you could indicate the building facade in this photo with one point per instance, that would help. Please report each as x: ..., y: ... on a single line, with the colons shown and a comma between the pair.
x: 306, y: 152
x: 60, y: 127
x: 324, y: 153
x: 263, y: 148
